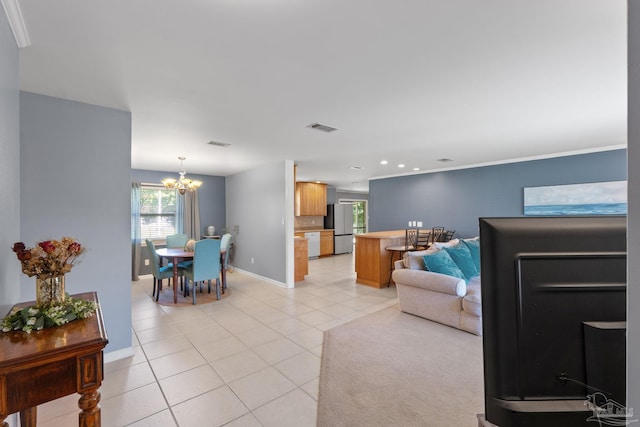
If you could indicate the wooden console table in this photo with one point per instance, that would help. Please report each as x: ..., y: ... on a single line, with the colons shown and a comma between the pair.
x: 54, y: 362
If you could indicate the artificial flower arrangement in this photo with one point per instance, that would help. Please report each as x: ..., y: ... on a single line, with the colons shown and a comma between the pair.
x: 48, y: 259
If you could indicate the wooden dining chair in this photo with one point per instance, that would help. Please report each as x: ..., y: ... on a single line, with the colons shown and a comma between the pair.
x: 422, y: 242
x: 410, y: 244
x: 437, y: 234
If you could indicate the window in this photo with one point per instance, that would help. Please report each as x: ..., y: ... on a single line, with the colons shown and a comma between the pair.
x: 359, y: 215
x: 157, y: 212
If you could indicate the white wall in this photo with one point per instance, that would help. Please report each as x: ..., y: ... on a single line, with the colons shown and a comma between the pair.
x: 75, y: 169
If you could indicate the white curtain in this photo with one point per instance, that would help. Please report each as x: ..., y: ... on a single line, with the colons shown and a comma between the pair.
x: 191, y: 217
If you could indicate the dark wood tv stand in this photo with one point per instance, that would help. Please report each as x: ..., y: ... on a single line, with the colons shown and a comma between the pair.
x: 55, y: 362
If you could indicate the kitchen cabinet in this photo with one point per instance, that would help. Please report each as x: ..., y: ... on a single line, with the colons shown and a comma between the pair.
x: 326, y: 243
x: 311, y: 199
x: 301, y: 266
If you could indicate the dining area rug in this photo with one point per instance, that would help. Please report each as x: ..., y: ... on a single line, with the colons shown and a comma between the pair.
x: 391, y: 368
x: 204, y: 297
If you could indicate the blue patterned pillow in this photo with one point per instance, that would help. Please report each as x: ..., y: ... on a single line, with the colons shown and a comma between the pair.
x: 441, y: 262
x: 461, y: 255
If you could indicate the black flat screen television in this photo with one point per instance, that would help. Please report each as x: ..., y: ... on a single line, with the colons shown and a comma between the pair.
x: 545, y: 282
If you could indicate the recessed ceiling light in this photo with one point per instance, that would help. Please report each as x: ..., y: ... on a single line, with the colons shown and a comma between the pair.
x: 416, y: 169
x: 357, y: 168
x: 401, y: 165
x: 444, y: 160
x: 384, y: 162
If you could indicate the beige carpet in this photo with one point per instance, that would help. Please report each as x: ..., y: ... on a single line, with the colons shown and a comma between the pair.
x: 393, y: 369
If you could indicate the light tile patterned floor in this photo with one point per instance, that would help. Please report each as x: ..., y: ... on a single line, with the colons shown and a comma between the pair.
x: 252, y: 359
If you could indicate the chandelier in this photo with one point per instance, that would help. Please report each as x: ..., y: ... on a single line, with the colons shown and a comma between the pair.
x: 182, y: 184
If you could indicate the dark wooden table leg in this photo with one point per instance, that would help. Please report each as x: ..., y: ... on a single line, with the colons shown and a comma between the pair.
x: 175, y: 280
x: 29, y: 417
x: 224, y: 273
x: 90, y: 414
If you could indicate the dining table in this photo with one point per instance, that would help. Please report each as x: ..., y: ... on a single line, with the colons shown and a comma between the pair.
x: 176, y: 255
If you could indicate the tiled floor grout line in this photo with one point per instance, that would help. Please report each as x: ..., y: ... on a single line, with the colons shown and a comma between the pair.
x: 255, y: 305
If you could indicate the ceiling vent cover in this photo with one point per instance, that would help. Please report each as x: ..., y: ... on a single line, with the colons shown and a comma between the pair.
x: 323, y: 128
x: 218, y: 144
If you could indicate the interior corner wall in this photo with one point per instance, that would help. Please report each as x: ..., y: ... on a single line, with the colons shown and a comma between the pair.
x: 456, y: 199
x: 256, y: 203
x: 75, y: 168
x: 9, y: 167
x: 633, y: 217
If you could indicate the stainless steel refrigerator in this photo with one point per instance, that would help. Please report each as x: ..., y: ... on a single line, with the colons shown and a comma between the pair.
x: 340, y: 218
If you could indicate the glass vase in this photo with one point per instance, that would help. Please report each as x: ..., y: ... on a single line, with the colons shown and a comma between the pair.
x: 49, y: 290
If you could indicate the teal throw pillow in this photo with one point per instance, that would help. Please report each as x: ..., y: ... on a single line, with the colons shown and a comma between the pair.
x: 474, y: 248
x: 461, y: 255
x: 441, y: 262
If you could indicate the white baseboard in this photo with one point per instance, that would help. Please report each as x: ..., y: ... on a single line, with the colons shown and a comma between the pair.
x: 257, y: 276
x: 118, y: 354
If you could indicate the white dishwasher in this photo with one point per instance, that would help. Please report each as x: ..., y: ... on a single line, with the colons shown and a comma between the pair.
x: 314, y: 243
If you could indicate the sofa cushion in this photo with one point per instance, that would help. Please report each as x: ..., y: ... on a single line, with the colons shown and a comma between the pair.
x: 462, y: 257
x: 472, y: 301
x: 441, y: 262
x: 440, y: 245
x: 414, y: 260
x: 474, y: 249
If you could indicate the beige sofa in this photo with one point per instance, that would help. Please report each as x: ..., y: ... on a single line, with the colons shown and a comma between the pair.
x: 438, y: 297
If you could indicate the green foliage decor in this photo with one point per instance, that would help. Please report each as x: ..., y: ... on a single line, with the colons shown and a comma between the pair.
x: 36, y: 318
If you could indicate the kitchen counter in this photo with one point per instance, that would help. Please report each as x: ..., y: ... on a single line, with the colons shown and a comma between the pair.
x: 372, y: 260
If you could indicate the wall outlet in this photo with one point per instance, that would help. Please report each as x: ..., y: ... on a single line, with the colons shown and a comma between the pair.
x: 251, y: 260
x: 146, y: 262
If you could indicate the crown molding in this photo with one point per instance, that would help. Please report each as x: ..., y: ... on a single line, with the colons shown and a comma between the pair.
x: 16, y: 22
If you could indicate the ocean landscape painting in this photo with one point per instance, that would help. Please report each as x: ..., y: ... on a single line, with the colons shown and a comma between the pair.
x: 597, y: 198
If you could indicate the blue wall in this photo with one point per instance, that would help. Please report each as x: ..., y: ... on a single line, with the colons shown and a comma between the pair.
x: 257, y: 203
x: 211, y: 195
x: 75, y: 163
x: 456, y: 199
x: 9, y: 167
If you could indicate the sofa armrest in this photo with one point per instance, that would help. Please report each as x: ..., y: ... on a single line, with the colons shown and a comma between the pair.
x: 431, y: 281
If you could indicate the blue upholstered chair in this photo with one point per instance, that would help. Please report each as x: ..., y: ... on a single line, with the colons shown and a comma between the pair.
x: 159, y: 272
x: 206, y: 266
x: 177, y: 240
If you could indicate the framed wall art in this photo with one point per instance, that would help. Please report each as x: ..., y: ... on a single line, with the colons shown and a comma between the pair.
x: 596, y: 198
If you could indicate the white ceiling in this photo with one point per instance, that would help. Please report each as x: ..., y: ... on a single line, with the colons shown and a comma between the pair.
x: 408, y: 81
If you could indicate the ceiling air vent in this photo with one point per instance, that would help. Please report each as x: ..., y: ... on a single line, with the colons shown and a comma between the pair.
x: 218, y: 144
x: 444, y: 160
x: 323, y: 128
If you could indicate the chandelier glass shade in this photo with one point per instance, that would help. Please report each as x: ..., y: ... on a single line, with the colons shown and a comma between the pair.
x: 182, y: 184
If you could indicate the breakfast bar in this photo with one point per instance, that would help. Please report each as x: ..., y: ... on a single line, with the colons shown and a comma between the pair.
x: 373, y: 261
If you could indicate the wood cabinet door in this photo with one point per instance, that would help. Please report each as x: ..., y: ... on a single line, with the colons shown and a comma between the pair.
x: 311, y: 199
x: 326, y: 243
